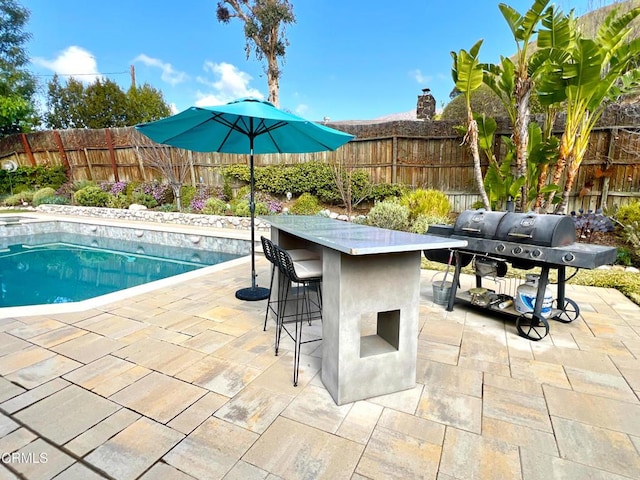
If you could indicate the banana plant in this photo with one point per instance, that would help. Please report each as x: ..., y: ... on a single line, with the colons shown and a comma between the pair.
x: 467, y: 76
x: 584, y: 75
x: 513, y: 81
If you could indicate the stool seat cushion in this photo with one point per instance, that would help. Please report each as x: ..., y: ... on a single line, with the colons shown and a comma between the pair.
x: 308, y: 269
x: 302, y: 254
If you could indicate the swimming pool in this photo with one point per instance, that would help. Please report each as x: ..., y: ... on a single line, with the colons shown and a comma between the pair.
x: 47, y: 263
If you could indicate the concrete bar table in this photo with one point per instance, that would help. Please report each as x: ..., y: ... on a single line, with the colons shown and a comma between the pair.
x: 367, y: 272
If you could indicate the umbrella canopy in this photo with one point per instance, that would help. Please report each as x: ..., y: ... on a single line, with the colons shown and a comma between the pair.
x: 245, y: 126
x: 230, y: 128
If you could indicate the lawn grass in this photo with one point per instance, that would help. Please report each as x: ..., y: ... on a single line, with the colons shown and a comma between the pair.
x: 628, y: 283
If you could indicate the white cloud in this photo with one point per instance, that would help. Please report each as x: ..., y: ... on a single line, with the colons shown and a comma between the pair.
x: 229, y: 83
x: 419, y: 77
x: 74, y: 61
x: 169, y: 75
x: 302, y: 109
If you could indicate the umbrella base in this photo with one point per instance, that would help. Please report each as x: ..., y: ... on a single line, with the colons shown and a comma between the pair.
x: 252, y: 294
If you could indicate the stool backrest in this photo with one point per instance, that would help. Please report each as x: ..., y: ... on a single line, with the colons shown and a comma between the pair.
x: 285, y: 263
x: 268, y: 247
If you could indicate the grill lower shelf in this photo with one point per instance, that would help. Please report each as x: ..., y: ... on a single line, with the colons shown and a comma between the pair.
x: 530, y: 326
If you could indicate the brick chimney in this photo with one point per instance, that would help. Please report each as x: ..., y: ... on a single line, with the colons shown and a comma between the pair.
x: 426, y: 108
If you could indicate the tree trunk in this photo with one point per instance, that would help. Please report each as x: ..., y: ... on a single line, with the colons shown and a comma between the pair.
x: 472, y: 140
x: 273, y: 80
x: 521, y: 133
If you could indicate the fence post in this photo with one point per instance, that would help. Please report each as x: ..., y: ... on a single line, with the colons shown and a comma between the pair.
x: 394, y: 159
x: 27, y: 149
x: 112, y: 154
x: 63, y: 154
x: 613, y: 134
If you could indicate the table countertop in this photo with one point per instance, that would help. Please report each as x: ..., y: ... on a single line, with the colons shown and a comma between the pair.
x: 356, y: 239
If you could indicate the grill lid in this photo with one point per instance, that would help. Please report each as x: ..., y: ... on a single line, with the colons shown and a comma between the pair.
x: 478, y: 223
x: 534, y: 229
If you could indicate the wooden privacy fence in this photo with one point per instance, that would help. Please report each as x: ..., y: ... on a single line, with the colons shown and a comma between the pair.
x: 609, y: 175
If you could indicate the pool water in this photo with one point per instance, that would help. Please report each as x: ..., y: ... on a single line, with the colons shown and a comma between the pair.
x: 61, y: 272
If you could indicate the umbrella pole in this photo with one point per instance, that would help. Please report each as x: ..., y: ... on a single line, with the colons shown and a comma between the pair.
x: 253, y: 292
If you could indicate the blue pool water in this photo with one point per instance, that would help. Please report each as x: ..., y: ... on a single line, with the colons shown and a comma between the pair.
x: 73, y: 268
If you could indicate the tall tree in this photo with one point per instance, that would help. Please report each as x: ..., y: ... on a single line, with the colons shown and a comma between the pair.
x: 65, y: 104
x: 17, y: 84
x: 101, y: 104
x: 264, y: 30
x: 106, y: 105
x: 145, y: 104
x: 467, y: 76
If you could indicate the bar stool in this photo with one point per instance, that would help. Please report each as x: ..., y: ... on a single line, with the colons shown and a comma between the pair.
x: 297, y: 254
x: 307, y: 274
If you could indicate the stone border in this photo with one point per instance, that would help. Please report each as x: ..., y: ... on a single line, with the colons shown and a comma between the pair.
x: 192, y: 219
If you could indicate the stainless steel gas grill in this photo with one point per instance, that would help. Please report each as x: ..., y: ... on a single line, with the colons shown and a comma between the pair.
x: 525, y: 240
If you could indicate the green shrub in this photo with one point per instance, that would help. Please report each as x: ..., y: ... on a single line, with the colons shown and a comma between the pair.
x: 55, y: 200
x: 382, y: 191
x: 187, y: 192
x: 627, y: 214
x: 91, y: 196
x: 32, y: 178
x: 119, y: 200
x: 389, y: 214
x: 145, y: 199
x: 422, y: 222
x: 42, y: 194
x: 426, y: 202
x: 214, y: 206
x: 240, y: 208
x: 167, y: 207
x: 305, y: 204
x: 80, y: 184
x: 19, y: 199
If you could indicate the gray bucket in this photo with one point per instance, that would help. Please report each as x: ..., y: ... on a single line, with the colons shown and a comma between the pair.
x: 441, y: 291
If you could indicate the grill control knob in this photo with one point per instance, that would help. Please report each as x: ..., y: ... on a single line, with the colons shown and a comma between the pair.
x: 500, y: 248
x: 537, y: 253
x: 568, y: 258
x: 517, y: 250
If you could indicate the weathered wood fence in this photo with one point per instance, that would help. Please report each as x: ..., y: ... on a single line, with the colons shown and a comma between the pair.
x: 392, y: 153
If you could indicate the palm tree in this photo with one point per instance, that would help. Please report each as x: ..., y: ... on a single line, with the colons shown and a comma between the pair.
x: 584, y: 75
x: 467, y: 76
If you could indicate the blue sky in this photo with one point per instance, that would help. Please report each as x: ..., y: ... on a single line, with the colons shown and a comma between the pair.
x: 347, y: 60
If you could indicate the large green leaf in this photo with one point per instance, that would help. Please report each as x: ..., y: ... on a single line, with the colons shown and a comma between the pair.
x: 558, y: 30
x: 614, y: 30
x: 466, y: 70
x: 523, y: 27
x: 487, y: 127
x: 585, y: 69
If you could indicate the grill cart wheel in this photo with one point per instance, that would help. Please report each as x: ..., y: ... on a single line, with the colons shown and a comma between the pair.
x: 532, y: 327
x: 568, y: 313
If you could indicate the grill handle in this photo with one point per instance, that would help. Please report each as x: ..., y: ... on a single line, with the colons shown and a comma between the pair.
x: 469, y: 229
x: 520, y: 235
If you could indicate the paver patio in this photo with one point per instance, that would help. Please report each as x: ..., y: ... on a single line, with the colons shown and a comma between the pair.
x: 182, y: 383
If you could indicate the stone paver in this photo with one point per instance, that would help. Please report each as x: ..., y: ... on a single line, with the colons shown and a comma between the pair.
x: 132, y: 451
x: 594, y: 410
x: 40, y: 460
x: 88, y: 347
x: 467, y: 455
x: 66, y: 414
x: 211, y: 450
x: 293, y: 450
x: 150, y: 396
x: 597, y: 447
x: 182, y: 383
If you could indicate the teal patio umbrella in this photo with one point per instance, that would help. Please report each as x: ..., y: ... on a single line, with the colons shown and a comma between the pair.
x: 244, y: 126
